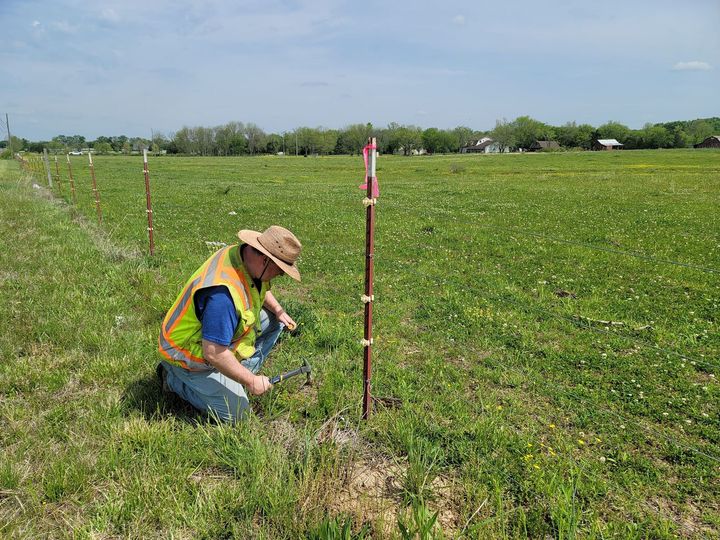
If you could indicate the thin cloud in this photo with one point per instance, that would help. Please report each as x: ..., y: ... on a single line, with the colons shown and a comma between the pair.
x: 459, y: 19
x: 695, y: 65
x: 64, y: 27
x: 110, y: 15
x: 314, y: 84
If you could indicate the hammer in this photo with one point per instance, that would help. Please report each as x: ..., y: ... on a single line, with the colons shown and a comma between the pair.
x: 305, y: 368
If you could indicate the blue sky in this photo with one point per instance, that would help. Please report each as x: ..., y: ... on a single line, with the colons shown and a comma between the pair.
x: 126, y: 67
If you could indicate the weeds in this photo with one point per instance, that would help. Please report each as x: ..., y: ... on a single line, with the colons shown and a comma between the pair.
x: 419, y: 523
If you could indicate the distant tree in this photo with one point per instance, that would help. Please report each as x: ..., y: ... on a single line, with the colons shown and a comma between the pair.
x: 681, y: 139
x: 387, y: 139
x: 36, y: 146
x: 118, y: 142
x: 529, y: 130
x: 204, y: 140
x: 463, y: 136
x: 431, y: 140
x: 138, y: 144
x: 182, y: 140
x: 159, y: 142
x: 255, y: 137
x: 17, y: 143
x: 504, y: 134
x: 171, y: 145
x: 56, y: 146
x: 655, y: 136
x: 409, y: 138
x: 614, y: 130
x: 584, y: 136
x: 101, y: 139
x: 102, y: 147
x: 305, y: 138
x: 699, y: 130
x: 439, y: 140
x: 273, y: 143
x: 353, y: 138
x: 567, y: 135
x: 328, y: 140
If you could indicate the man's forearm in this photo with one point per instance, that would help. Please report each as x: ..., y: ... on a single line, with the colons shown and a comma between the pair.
x: 271, y: 304
x: 223, y: 359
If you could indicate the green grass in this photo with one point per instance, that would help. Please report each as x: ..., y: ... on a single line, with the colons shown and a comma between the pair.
x: 516, y: 412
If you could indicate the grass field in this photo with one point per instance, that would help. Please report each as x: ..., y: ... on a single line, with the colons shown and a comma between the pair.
x: 547, y: 351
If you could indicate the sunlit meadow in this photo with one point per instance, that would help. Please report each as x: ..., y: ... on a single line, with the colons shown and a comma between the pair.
x: 545, y: 362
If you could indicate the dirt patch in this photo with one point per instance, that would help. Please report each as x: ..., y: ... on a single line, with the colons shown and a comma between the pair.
x: 286, y: 435
x: 371, y: 491
x: 338, y: 431
x: 688, y: 517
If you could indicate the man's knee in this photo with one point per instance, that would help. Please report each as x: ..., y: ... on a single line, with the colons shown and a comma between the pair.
x: 269, y: 322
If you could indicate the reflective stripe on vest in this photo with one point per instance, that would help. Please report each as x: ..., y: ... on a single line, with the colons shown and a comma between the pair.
x: 180, y: 340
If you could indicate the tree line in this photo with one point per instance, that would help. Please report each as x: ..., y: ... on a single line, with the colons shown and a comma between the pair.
x: 238, y: 138
x: 523, y: 131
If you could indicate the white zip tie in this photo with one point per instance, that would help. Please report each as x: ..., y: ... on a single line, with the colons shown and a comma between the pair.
x: 366, y: 342
x: 369, y: 202
x: 365, y: 298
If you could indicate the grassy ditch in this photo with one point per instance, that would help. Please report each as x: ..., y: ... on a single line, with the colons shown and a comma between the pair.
x: 546, y: 362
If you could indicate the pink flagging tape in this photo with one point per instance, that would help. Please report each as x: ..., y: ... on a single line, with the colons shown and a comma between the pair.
x: 375, y: 186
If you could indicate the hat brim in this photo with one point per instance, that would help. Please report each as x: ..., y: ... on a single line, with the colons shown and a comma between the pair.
x: 251, y: 238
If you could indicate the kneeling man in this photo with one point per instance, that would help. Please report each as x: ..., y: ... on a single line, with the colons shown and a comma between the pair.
x: 223, y: 324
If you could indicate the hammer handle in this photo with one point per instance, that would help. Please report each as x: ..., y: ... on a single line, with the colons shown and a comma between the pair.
x: 280, y: 378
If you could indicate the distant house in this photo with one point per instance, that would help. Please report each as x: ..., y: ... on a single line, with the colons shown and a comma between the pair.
x: 544, y: 145
x: 484, y: 146
x: 606, y: 144
x: 710, y: 142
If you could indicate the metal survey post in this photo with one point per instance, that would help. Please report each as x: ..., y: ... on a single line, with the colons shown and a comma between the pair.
x: 95, y: 189
x: 57, y: 175
x: 149, y: 211
x: 368, y: 298
x: 71, y: 180
x: 46, y: 162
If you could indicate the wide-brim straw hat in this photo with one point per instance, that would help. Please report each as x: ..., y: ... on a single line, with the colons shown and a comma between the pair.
x: 279, y: 244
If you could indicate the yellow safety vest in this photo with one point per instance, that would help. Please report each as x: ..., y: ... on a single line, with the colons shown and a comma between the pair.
x: 180, y: 339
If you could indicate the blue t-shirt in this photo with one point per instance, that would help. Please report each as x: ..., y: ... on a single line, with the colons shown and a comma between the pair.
x: 215, y: 310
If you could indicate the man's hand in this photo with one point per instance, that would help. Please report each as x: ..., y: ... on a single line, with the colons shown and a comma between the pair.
x: 287, y: 320
x: 221, y: 358
x: 259, y: 385
x: 271, y: 304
